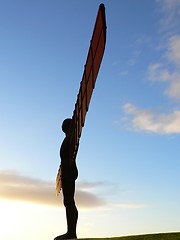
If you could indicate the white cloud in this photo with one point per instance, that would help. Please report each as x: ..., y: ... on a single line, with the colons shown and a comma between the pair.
x: 160, y: 72
x: 174, y: 89
x: 131, y: 206
x: 166, y: 71
x: 173, y: 51
x: 146, y: 120
x: 171, y: 12
x: 17, y: 187
x: 156, y: 72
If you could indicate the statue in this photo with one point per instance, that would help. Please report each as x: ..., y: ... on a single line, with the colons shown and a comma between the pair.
x: 69, y: 174
x: 72, y: 127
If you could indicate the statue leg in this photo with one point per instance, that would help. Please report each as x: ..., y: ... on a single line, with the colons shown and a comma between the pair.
x: 71, y: 210
x: 72, y: 216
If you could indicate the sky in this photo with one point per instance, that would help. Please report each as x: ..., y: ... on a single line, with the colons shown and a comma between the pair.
x: 128, y: 158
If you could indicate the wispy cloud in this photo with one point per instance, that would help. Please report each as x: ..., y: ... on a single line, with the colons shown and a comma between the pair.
x: 157, y: 72
x: 131, y: 206
x: 173, y: 46
x: 170, y: 14
x: 16, y: 187
x: 166, y: 71
x: 147, y: 120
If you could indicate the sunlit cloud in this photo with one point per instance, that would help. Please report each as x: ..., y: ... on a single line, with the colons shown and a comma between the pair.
x: 166, y: 72
x: 149, y: 121
x: 168, y: 69
x: 86, y: 186
x: 170, y: 73
x: 157, y: 72
x: 131, y: 206
x: 16, y: 187
x: 20, y: 188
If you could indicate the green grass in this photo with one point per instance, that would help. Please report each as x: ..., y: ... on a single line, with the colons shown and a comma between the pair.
x: 159, y: 236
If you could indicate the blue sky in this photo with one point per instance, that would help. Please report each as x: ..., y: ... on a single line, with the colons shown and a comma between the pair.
x: 128, y: 158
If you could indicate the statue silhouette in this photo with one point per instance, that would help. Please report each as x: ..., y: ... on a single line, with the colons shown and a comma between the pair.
x: 68, y: 176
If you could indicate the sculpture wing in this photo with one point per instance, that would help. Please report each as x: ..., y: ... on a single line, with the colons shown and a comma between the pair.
x: 91, y: 69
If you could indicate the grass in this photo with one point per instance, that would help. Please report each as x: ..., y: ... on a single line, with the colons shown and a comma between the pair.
x: 159, y: 236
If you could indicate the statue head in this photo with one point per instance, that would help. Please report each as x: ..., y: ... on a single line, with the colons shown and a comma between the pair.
x: 66, y: 125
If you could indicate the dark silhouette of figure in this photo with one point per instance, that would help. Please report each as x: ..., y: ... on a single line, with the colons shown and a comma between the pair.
x: 68, y: 177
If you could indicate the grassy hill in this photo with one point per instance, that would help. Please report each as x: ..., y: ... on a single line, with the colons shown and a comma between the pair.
x: 159, y: 236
